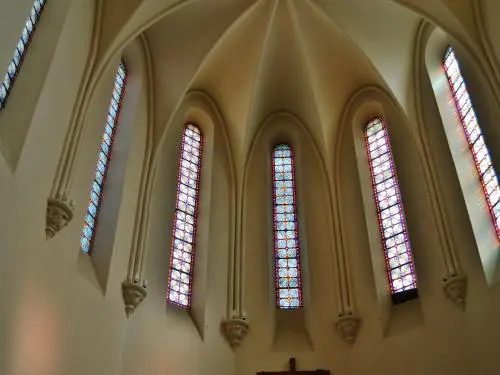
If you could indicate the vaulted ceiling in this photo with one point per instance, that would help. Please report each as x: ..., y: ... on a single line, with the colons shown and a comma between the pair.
x: 256, y: 57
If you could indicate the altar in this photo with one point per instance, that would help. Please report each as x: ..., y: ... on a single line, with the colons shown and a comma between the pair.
x: 293, y: 371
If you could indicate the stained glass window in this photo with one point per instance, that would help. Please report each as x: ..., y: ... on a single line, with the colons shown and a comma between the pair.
x: 91, y: 217
x: 286, y: 231
x: 20, y: 51
x: 473, y: 133
x: 185, y: 218
x: 391, y: 219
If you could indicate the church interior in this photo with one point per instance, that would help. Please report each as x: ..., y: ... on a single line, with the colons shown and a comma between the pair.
x: 234, y: 187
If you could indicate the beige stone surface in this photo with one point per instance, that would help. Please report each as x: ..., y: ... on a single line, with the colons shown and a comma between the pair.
x: 249, y: 73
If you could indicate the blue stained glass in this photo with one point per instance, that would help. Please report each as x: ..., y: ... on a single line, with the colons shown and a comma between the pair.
x: 85, y: 245
x: 101, y: 167
x: 90, y: 220
x: 12, y: 69
x: 288, y: 280
x: 103, y: 158
x: 106, y: 138
x: 105, y: 147
x: 87, y: 231
x: 99, y: 178
x: 21, y: 47
x: 6, y: 83
x: 103, y: 162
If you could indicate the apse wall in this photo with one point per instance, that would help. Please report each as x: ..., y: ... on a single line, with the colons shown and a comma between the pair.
x: 427, y: 335
x: 62, y: 311
x: 50, y: 314
x: 161, y: 336
x: 274, y: 334
x: 59, y: 319
x: 45, y: 56
x: 391, y: 336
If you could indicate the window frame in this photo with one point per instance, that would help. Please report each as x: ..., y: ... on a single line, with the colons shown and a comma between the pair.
x: 90, y: 227
x: 398, y: 295
x: 276, y: 239
x: 474, y: 125
x: 176, y: 220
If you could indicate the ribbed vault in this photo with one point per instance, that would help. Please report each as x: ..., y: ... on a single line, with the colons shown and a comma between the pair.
x: 257, y: 57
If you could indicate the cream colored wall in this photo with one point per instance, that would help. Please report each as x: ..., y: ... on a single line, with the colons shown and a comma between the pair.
x: 62, y: 313
x: 163, y: 338
x: 430, y: 335
x: 59, y: 321
x: 273, y: 334
x: 46, y: 55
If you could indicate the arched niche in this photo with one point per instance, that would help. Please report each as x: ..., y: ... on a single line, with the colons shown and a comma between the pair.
x: 215, y: 215
x: 358, y: 215
x: 467, y: 206
x: 113, y: 233
x: 291, y: 329
x: 42, y: 97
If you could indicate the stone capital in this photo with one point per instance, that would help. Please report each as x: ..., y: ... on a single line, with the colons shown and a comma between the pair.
x: 348, y: 326
x: 133, y: 294
x: 455, y: 289
x: 59, y: 214
x: 235, y: 330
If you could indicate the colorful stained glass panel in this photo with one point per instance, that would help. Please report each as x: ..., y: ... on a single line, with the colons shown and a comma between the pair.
x: 20, y: 51
x: 89, y: 227
x: 395, y: 241
x: 475, y: 139
x: 286, y: 233
x: 185, y: 219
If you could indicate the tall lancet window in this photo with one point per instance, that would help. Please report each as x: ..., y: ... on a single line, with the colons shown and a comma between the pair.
x: 473, y: 133
x: 286, y: 231
x: 92, y: 215
x: 180, y: 278
x: 20, y: 51
x: 391, y: 218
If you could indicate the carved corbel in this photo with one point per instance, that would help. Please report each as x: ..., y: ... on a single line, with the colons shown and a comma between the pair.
x: 235, y: 330
x: 348, y: 326
x: 59, y: 214
x: 133, y: 294
x: 455, y: 289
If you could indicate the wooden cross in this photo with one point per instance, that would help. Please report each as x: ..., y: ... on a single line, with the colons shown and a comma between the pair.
x: 293, y: 371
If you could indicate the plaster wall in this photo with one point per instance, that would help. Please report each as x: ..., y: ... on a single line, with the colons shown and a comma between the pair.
x: 162, y: 337
x: 62, y: 312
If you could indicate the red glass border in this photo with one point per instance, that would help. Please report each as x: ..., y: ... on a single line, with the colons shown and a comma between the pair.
x: 104, y: 159
x: 398, y: 256
x: 471, y: 128
x: 185, y: 223
x: 285, y: 295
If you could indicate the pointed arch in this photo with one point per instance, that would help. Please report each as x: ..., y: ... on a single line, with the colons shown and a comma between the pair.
x: 358, y: 213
